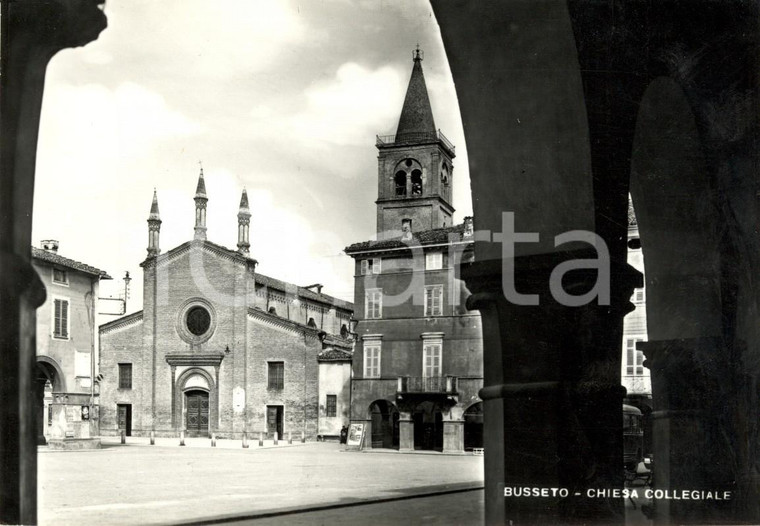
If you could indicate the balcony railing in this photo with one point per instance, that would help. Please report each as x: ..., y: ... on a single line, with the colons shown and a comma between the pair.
x: 406, y: 138
x: 427, y: 385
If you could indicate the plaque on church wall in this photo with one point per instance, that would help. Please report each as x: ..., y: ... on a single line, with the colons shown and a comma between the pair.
x: 238, y: 399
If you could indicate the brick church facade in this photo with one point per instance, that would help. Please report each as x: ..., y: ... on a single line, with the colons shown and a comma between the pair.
x: 418, y: 364
x: 220, y: 348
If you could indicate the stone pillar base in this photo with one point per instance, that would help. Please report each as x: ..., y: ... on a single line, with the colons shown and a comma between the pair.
x: 453, y: 436
x: 406, y: 434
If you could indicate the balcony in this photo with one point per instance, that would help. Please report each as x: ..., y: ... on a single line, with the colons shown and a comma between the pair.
x: 443, y: 385
x: 417, y: 137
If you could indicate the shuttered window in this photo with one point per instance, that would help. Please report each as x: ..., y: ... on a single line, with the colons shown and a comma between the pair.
x: 431, y: 360
x: 634, y: 359
x: 61, y: 318
x: 372, y: 361
x: 434, y: 300
x: 373, y: 307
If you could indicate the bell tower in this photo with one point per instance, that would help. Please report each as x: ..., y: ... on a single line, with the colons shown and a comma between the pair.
x: 414, y: 166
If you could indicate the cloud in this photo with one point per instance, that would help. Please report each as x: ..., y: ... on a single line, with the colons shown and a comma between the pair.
x: 90, y: 123
x: 333, y: 106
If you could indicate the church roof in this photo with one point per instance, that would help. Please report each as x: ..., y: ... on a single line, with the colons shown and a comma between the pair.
x: 56, y: 259
x: 416, y: 115
x: 435, y: 236
x: 302, y: 292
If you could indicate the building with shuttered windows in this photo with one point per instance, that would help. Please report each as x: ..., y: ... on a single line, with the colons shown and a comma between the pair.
x: 66, y: 389
x: 417, y: 367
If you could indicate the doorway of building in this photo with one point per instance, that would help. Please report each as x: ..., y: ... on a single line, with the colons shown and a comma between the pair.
x: 473, y: 426
x: 428, y: 427
x: 197, y: 413
x: 274, y: 420
x: 385, y: 429
x: 124, y: 418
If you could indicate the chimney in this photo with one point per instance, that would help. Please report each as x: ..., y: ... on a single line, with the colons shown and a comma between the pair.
x: 406, y: 229
x: 50, y: 245
x: 468, y: 228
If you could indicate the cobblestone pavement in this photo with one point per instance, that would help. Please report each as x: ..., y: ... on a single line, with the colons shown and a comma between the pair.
x: 165, y: 483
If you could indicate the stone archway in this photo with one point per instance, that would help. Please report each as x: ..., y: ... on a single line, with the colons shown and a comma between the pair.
x: 473, y: 426
x: 49, y: 377
x: 196, y: 402
x: 384, y: 425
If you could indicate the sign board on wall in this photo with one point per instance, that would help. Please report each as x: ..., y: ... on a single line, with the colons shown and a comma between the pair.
x: 355, y: 435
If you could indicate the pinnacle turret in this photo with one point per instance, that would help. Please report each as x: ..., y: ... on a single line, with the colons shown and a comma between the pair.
x: 244, y: 222
x: 201, y: 199
x: 154, y: 227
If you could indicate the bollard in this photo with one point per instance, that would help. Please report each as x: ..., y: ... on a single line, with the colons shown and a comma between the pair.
x: 182, y: 438
x: 245, y: 440
x: 275, y: 438
x: 303, y: 437
x: 290, y: 437
x: 152, y: 438
x: 123, y: 436
x: 261, y: 439
x: 213, y: 439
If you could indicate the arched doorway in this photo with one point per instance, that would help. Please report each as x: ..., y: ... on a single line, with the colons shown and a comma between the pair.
x: 48, y: 380
x: 428, y: 426
x: 196, y: 412
x: 385, y: 430
x: 473, y: 426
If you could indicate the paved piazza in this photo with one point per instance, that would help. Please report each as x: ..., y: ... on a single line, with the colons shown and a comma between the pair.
x: 165, y: 483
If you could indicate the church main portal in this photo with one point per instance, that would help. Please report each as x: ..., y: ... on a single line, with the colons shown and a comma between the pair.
x: 197, y: 413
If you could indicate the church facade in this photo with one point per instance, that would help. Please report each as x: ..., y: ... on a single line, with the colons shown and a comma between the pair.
x: 418, y: 366
x: 220, y: 348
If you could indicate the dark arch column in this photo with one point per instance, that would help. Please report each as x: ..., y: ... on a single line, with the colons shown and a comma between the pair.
x: 32, y: 32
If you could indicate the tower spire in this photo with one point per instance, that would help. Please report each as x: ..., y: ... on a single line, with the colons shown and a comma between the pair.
x: 244, y: 221
x: 201, y: 199
x: 154, y: 227
x: 416, y: 121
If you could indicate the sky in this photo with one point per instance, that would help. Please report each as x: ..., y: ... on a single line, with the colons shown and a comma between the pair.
x: 283, y: 98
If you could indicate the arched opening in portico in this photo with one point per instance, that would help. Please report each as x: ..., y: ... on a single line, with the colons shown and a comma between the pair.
x: 384, y: 422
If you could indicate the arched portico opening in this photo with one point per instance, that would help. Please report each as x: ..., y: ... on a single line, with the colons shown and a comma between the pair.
x: 49, y: 379
x: 428, y: 426
x: 473, y: 426
x: 384, y: 418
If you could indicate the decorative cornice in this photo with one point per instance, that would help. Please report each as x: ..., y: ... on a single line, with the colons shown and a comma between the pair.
x: 208, y: 358
x: 121, y: 323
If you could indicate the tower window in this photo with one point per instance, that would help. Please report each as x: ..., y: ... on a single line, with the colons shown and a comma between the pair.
x: 416, y: 182
x: 400, y: 181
